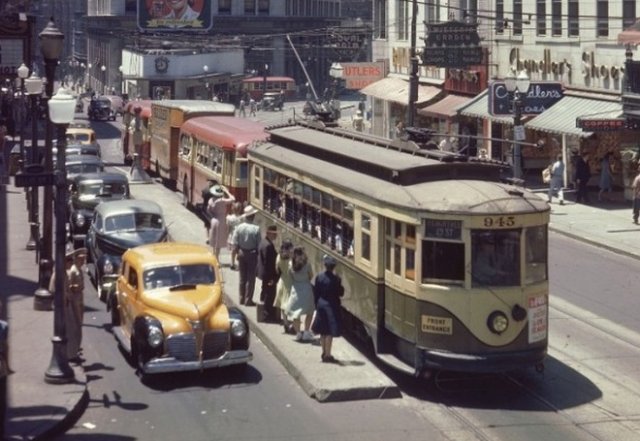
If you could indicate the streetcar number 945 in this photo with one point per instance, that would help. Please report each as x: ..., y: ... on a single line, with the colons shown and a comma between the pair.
x: 500, y: 221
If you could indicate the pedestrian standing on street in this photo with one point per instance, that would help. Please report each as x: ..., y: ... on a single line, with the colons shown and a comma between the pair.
x: 218, y: 207
x: 557, y: 179
x: 581, y: 178
x: 74, y: 303
x: 327, y: 290
x: 301, y: 298
x: 267, y: 272
x: 636, y: 196
x: 246, y: 241
x: 283, y: 289
x: 242, y: 107
x: 233, y: 220
x: 606, y: 179
x: 358, y: 121
x: 253, y: 107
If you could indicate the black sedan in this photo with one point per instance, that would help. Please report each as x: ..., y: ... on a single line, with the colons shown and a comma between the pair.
x: 100, y: 108
x: 86, y: 192
x: 116, y: 227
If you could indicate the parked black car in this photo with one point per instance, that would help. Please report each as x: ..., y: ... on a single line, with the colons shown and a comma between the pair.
x: 100, y: 108
x: 86, y: 192
x: 82, y: 164
x: 116, y: 227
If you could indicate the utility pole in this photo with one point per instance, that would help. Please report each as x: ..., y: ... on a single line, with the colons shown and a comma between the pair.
x: 413, y: 78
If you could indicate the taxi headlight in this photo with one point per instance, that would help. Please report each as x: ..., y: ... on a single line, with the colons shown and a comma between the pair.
x: 238, y: 328
x: 80, y: 220
x: 154, y: 336
x: 107, y: 267
x: 497, y: 322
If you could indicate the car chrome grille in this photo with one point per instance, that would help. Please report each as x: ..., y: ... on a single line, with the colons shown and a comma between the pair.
x: 183, y: 346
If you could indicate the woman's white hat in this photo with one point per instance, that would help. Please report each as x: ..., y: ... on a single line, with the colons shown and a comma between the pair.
x: 249, y: 210
x: 216, y: 191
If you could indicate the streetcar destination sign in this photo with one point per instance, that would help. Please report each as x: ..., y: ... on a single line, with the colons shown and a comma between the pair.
x: 443, y: 229
x: 34, y: 179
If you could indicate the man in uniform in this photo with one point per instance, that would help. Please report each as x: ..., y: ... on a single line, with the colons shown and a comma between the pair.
x: 246, y: 240
x: 267, y: 272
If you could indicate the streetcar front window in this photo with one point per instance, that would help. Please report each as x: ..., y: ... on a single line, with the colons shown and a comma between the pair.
x: 442, y: 261
x: 495, y: 257
x: 536, y: 254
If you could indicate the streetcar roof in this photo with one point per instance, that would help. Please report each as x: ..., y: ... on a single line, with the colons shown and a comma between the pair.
x: 197, y: 106
x: 227, y: 132
x: 447, y: 194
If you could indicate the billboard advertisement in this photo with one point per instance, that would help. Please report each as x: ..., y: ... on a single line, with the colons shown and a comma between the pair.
x: 174, y: 15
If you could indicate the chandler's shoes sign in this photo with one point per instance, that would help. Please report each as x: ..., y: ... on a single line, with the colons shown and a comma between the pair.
x: 539, y: 97
x: 174, y: 15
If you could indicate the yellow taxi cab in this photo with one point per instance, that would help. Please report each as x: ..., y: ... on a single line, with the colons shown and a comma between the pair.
x: 169, y: 313
x: 81, y: 135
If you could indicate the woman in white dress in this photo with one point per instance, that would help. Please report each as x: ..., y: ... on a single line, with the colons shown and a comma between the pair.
x: 283, y: 288
x: 301, y: 298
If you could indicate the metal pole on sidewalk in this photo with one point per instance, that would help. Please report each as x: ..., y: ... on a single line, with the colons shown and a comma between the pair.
x: 34, y: 88
x: 413, y: 77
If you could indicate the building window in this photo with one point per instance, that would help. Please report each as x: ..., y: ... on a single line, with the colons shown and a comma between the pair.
x: 500, y: 24
x: 556, y: 18
x: 573, y: 22
x: 263, y: 7
x: 432, y: 11
x: 402, y: 20
x: 224, y: 7
x: 249, y: 7
x: 602, y: 12
x: 517, y: 17
x: 541, y: 17
x: 628, y: 13
x: 380, y: 19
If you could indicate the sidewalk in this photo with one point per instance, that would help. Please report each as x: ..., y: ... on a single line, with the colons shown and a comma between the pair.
x: 36, y: 409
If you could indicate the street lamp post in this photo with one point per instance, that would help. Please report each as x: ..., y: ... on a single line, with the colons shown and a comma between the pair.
x: 51, y: 44
x: 33, y: 84
x: 264, y: 81
x: 103, y: 68
x: 518, y: 86
x: 23, y: 72
x: 61, y: 113
x: 121, y: 78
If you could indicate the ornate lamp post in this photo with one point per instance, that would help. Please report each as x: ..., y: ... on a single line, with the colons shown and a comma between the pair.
x: 33, y: 84
x: 205, y: 69
x: 23, y: 72
x: 61, y: 112
x: 51, y: 44
x: 120, y: 74
x: 517, y: 86
x: 103, y: 68
x: 265, y: 72
x: 90, y: 80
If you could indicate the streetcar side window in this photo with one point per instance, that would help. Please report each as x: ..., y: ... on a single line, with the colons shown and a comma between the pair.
x: 185, y: 145
x: 495, y: 258
x: 536, y: 254
x: 400, y: 244
x: 442, y: 261
x: 365, y: 236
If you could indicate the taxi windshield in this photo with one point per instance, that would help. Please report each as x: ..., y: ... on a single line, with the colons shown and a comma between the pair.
x: 177, y: 275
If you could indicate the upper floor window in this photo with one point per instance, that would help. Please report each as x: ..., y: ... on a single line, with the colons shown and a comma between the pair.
x: 432, y: 11
x: 263, y: 7
x: 602, y: 12
x: 224, y: 7
x: 573, y: 22
x: 541, y: 17
x: 556, y: 18
x: 517, y: 17
x: 628, y: 13
x: 380, y: 19
x: 500, y: 24
x: 249, y: 7
x: 402, y: 20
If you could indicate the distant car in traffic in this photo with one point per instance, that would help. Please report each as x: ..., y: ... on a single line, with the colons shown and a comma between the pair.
x: 85, y: 193
x: 82, y: 164
x: 83, y: 149
x: 100, y: 109
x: 81, y: 135
x: 116, y: 227
x: 170, y: 314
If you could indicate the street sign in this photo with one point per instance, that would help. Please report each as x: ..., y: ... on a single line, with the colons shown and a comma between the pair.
x: 453, y: 44
x: 601, y: 124
x: 518, y: 133
x: 540, y: 96
x: 34, y: 179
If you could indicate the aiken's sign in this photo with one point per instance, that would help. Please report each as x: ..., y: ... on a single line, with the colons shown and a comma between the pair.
x: 360, y: 75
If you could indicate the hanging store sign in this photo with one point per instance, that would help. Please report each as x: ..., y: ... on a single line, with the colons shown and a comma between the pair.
x: 453, y: 44
x: 360, y: 75
x: 601, y: 124
x: 540, y: 97
x: 11, y: 55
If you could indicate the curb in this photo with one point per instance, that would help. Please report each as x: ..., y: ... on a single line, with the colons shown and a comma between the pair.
x: 595, y: 243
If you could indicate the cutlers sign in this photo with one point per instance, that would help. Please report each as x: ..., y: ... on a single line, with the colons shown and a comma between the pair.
x: 360, y: 75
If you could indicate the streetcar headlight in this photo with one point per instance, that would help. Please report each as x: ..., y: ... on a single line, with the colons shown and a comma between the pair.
x: 238, y: 329
x: 154, y: 336
x: 497, y: 322
x: 80, y: 220
x: 107, y: 267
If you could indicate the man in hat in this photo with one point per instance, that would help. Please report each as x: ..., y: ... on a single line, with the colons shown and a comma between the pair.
x: 246, y: 240
x: 267, y: 272
x: 74, y: 303
x: 635, y: 186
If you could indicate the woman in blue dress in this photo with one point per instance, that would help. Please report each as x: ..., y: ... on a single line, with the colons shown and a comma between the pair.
x: 327, y: 291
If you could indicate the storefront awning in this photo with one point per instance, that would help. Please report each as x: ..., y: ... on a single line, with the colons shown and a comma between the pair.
x: 630, y: 35
x: 561, y: 118
x: 397, y: 90
x: 446, y: 107
x: 478, y: 107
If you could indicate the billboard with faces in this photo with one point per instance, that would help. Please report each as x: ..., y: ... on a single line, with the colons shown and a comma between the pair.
x: 174, y: 15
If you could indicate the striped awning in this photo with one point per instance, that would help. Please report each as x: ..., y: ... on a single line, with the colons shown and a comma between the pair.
x: 446, y: 107
x: 397, y: 90
x: 561, y: 117
x: 478, y: 107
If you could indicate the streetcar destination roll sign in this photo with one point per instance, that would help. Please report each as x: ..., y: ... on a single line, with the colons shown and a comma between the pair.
x: 443, y: 229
